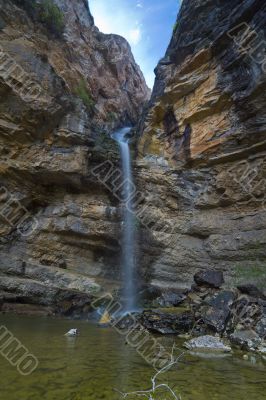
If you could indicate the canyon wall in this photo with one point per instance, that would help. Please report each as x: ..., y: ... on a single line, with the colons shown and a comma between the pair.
x: 202, y: 147
x: 200, y: 167
x: 63, y: 85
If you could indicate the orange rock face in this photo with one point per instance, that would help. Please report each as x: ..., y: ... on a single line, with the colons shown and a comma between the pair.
x: 202, y: 160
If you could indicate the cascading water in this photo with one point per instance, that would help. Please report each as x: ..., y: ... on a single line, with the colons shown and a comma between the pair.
x: 128, y: 241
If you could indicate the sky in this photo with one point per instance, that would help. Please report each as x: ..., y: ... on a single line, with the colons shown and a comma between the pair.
x: 146, y: 24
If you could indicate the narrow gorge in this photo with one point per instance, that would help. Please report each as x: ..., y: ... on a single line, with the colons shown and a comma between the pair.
x: 155, y: 198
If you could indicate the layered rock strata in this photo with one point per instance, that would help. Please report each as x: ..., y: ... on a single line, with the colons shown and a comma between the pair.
x: 202, y: 147
x: 63, y: 85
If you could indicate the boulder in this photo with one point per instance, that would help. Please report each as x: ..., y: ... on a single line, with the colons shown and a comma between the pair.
x: 171, y: 299
x: 260, y: 328
x: 207, y: 343
x: 215, y: 318
x: 251, y: 290
x: 262, y: 349
x: 209, y: 278
x: 149, y: 293
x: 223, y: 299
x: 167, y: 323
x: 216, y: 311
x: 246, y: 339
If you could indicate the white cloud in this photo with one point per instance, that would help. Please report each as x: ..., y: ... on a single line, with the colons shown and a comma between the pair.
x: 139, y: 5
x: 134, y: 36
x: 126, y: 23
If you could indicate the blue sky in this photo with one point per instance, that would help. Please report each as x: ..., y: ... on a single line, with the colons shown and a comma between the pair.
x: 146, y: 24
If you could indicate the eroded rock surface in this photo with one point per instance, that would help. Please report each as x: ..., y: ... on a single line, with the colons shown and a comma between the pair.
x: 202, y: 147
x: 62, y: 88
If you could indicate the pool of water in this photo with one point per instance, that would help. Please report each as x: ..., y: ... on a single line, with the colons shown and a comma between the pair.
x: 93, y: 365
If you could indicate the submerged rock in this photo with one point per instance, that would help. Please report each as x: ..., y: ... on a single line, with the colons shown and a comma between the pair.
x: 209, y: 343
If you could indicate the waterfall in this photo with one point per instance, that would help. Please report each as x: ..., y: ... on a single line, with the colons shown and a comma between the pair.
x: 128, y: 240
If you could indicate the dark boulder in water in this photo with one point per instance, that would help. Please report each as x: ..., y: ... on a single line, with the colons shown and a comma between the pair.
x: 167, y: 323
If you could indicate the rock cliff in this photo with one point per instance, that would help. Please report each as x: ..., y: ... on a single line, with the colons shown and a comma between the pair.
x: 202, y: 159
x: 63, y: 85
x: 200, y: 168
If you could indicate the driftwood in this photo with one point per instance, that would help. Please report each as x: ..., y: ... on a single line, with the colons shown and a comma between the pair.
x: 150, y: 393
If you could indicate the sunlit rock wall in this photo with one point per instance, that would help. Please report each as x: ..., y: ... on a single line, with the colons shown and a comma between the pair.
x: 201, y: 163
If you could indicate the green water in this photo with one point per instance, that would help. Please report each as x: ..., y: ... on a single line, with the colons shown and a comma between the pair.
x: 90, y: 366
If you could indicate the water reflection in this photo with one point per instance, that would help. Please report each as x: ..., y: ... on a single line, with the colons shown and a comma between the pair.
x: 91, y: 365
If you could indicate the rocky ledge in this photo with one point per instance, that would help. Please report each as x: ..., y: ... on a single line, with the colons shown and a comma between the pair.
x: 237, y: 315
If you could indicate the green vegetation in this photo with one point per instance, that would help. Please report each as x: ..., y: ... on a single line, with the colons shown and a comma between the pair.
x: 176, y: 25
x: 111, y: 116
x: 255, y: 274
x: 52, y: 16
x: 83, y: 93
x: 106, y: 145
x: 47, y: 12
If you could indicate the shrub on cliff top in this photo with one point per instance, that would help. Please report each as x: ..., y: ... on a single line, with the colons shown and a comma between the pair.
x: 176, y: 25
x: 52, y: 16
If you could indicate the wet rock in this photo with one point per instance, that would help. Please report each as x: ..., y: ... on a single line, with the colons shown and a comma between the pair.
x: 246, y: 311
x: 207, y: 343
x: 223, y: 299
x: 215, y: 318
x: 216, y: 311
x: 262, y: 349
x: 209, y: 278
x: 74, y: 305
x: 260, y: 327
x: 166, y: 323
x: 171, y: 299
x: 149, y: 293
x: 158, y: 322
x: 195, y: 299
x: 27, y: 309
x: 251, y: 290
x: 246, y: 339
x: 184, y: 322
